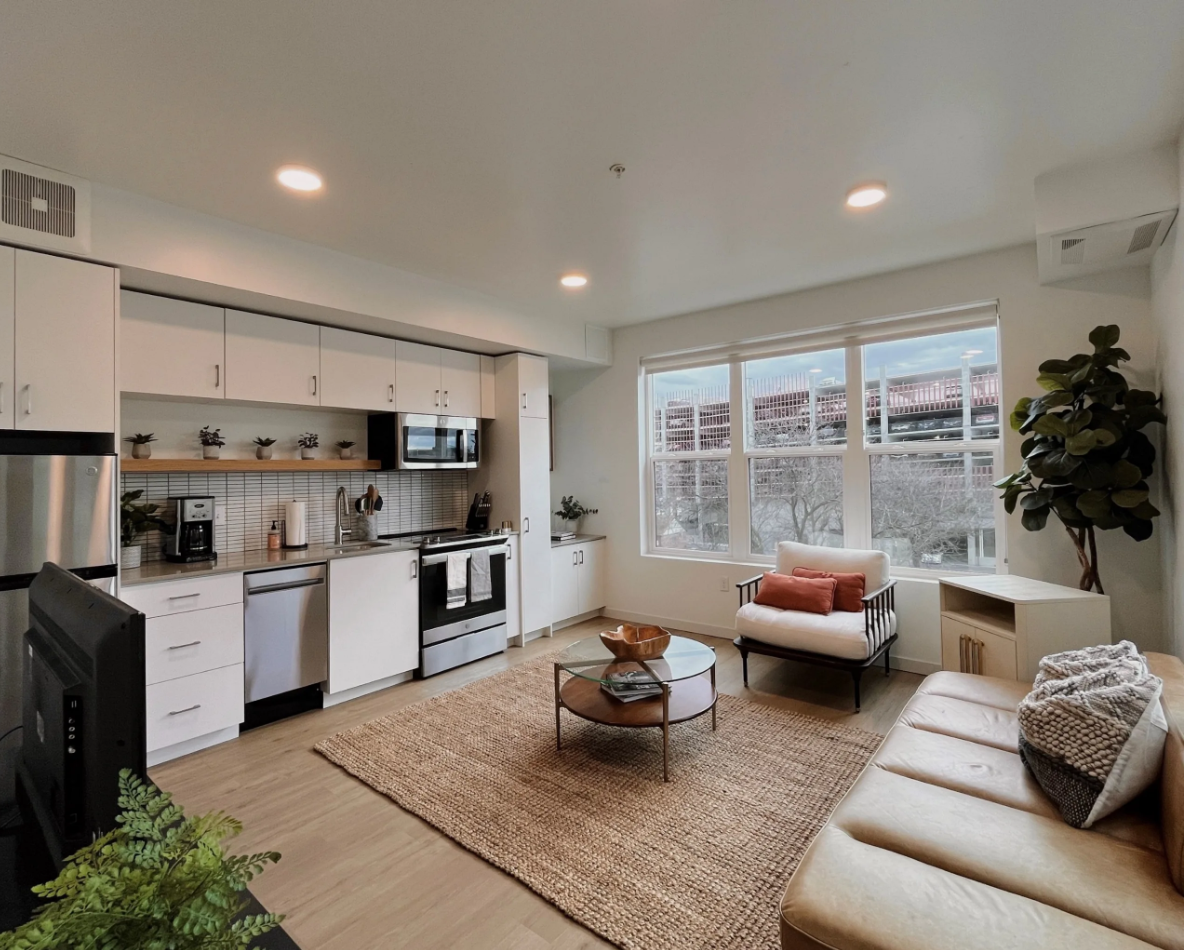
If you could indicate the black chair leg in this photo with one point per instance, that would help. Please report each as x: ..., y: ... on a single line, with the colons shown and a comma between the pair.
x: 856, y: 675
x: 744, y: 661
x: 887, y: 654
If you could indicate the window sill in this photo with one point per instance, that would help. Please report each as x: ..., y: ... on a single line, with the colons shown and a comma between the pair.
x: 898, y: 573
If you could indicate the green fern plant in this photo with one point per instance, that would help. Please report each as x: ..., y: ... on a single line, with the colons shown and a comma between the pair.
x: 159, y: 881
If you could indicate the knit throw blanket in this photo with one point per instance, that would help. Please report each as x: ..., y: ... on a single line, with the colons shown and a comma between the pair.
x: 1092, y: 730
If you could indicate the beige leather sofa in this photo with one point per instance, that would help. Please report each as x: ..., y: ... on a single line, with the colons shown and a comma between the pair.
x: 945, y: 841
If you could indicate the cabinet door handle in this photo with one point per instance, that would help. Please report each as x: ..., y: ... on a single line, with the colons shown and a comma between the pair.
x: 390, y: 393
x: 1, y: 397
x: 445, y: 398
x: 217, y: 375
x: 509, y: 553
x: 185, y: 596
x: 182, y: 646
x: 581, y: 557
x: 524, y: 400
x: 28, y: 399
x: 574, y: 559
x: 978, y: 656
x: 414, y: 569
x: 962, y: 654
x: 177, y: 712
x: 526, y: 526
x: 437, y: 398
x: 314, y: 385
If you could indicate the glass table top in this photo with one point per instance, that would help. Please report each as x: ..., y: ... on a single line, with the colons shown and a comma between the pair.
x: 590, y: 659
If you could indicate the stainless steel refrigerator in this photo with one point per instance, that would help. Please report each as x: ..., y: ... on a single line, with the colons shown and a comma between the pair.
x: 59, y: 508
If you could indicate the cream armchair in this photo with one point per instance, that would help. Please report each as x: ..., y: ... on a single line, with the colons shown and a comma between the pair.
x: 842, y: 639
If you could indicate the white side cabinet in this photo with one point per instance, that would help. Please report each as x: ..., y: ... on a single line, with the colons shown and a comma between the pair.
x: 58, y: 361
x: 1002, y: 625
x: 373, y: 618
x: 269, y: 359
x: 357, y: 370
x: 513, y: 593
x: 193, y: 661
x: 171, y: 347
x: 577, y: 579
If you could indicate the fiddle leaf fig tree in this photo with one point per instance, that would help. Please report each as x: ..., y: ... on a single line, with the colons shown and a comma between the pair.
x: 1086, y: 457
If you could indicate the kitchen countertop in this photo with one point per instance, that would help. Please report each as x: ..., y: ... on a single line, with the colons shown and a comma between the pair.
x: 578, y: 539
x: 156, y: 571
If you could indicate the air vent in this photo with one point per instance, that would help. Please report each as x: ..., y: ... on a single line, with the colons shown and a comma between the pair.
x: 1073, y: 251
x: 44, y: 208
x: 1143, y: 237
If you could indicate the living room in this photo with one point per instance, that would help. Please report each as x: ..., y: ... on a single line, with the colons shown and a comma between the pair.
x: 605, y: 500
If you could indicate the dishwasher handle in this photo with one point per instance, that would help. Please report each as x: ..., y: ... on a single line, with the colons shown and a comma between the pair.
x: 276, y: 588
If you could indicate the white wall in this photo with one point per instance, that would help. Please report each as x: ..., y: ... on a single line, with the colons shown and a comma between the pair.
x: 1167, y: 300
x: 599, y: 454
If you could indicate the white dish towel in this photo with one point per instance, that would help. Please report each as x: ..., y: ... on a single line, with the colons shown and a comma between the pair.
x: 458, y: 580
x: 480, y: 583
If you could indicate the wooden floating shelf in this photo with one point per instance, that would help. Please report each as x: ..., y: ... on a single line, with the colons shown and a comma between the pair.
x: 162, y: 466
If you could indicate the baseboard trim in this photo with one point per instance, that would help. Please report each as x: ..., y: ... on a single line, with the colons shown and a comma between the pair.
x: 924, y: 667
x: 196, y: 744
x: 572, y: 621
x: 333, y: 699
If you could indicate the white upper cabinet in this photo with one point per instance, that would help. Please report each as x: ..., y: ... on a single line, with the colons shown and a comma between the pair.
x: 64, y: 344
x: 7, y: 338
x: 269, y: 359
x: 533, y: 385
x: 460, y: 378
x: 357, y: 370
x: 417, y: 379
x: 171, y: 347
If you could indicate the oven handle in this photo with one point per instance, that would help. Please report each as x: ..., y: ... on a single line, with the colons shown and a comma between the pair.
x: 441, y: 558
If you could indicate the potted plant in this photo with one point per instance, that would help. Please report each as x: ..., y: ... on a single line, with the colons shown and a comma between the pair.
x: 140, y: 447
x: 571, y: 511
x: 158, y: 879
x: 211, y: 441
x: 346, y: 448
x: 263, y: 448
x: 308, y: 444
x: 136, y: 517
x: 1086, y: 458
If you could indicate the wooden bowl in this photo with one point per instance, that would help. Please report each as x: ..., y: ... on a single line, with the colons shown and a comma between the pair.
x: 628, y: 642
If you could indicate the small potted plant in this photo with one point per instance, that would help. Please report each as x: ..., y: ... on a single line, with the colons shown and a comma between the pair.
x: 263, y: 448
x: 140, y: 447
x: 308, y: 445
x: 571, y: 511
x: 136, y: 517
x: 211, y: 441
x: 346, y: 448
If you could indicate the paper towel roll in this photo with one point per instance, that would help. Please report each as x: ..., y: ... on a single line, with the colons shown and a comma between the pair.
x: 295, y: 524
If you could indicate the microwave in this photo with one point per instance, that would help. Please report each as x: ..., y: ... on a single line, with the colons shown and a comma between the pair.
x: 413, y: 441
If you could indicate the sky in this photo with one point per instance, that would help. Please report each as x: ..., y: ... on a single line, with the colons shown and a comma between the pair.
x: 901, y: 357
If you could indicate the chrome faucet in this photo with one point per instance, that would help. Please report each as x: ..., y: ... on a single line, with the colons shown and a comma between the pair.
x: 342, y: 506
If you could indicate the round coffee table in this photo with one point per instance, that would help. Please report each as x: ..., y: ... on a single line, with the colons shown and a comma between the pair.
x: 684, y: 674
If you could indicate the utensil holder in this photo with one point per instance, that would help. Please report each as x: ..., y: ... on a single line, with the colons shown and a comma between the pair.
x: 365, y: 528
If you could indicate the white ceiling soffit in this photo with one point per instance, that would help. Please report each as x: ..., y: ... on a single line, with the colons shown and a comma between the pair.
x: 470, y: 142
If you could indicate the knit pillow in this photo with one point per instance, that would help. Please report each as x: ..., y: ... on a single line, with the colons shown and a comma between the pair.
x: 1094, y: 740
x: 1059, y: 666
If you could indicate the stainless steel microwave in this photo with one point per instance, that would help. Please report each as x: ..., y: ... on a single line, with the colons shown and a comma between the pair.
x: 425, y: 442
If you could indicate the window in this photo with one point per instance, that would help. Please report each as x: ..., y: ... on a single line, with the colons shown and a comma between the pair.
x: 910, y: 472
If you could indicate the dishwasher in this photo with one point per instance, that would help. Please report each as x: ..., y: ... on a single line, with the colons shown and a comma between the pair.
x: 285, y: 630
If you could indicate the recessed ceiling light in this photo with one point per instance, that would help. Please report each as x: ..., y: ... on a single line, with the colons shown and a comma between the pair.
x: 298, y: 178
x: 866, y: 195
x: 573, y: 280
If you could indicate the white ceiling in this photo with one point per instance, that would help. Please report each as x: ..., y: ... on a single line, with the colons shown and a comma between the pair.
x: 470, y: 140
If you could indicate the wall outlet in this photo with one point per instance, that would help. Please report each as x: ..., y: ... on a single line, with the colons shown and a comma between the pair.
x: 219, y: 516
x: 723, y: 584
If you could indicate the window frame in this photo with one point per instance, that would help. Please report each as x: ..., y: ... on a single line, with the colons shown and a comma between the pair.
x: 856, y: 453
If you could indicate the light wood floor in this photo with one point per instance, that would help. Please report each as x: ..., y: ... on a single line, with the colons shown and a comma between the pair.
x: 358, y: 872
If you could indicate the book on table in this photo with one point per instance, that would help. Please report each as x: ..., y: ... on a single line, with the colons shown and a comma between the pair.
x: 631, y: 685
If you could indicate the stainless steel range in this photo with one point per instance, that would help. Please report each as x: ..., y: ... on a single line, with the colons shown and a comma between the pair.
x: 462, y: 599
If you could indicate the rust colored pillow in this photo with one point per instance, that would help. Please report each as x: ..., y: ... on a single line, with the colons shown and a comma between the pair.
x: 848, y: 592
x: 815, y: 595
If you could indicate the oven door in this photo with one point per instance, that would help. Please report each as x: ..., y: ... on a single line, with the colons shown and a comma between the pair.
x: 437, y: 442
x: 438, y: 622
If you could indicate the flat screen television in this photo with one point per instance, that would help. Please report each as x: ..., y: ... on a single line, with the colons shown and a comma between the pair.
x: 83, y: 707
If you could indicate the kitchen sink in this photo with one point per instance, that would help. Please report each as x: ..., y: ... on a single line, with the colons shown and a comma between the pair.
x: 357, y: 546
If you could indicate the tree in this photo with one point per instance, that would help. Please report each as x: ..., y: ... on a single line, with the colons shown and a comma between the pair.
x: 796, y: 498
x: 1086, y: 458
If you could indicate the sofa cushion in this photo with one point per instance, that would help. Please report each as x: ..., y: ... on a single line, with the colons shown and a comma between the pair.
x: 849, y: 588
x: 962, y: 719
x: 811, y: 595
x: 874, y: 565
x: 1171, y: 783
x: 839, y: 634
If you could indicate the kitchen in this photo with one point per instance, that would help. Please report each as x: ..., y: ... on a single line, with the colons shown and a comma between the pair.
x: 283, y: 577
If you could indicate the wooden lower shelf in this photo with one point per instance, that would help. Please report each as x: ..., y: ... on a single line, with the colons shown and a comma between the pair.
x: 164, y: 466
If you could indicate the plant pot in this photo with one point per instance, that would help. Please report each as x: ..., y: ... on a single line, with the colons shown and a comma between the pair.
x: 308, y: 454
x: 129, y: 557
x: 209, y: 451
x: 346, y: 454
x: 263, y: 452
x: 141, y: 450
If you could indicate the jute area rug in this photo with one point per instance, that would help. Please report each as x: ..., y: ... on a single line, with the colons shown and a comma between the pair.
x: 698, y: 863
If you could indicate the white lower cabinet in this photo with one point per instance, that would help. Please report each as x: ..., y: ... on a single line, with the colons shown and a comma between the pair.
x: 193, y: 706
x: 577, y: 579
x: 373, y: 618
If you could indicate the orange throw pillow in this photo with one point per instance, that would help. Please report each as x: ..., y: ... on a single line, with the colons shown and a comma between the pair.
x: 848, y: 593
x: 814, y: 595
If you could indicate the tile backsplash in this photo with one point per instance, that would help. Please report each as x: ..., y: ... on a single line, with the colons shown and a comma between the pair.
x: 412, y: 501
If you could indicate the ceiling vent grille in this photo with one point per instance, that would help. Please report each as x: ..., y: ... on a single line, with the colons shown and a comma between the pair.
x: 1103, y: 247
x: 1143, y: 237
x: 1073, y: 251
x: 44, y: 208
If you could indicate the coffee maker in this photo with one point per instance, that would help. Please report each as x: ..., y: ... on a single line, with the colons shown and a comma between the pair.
x: 194, y: 538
